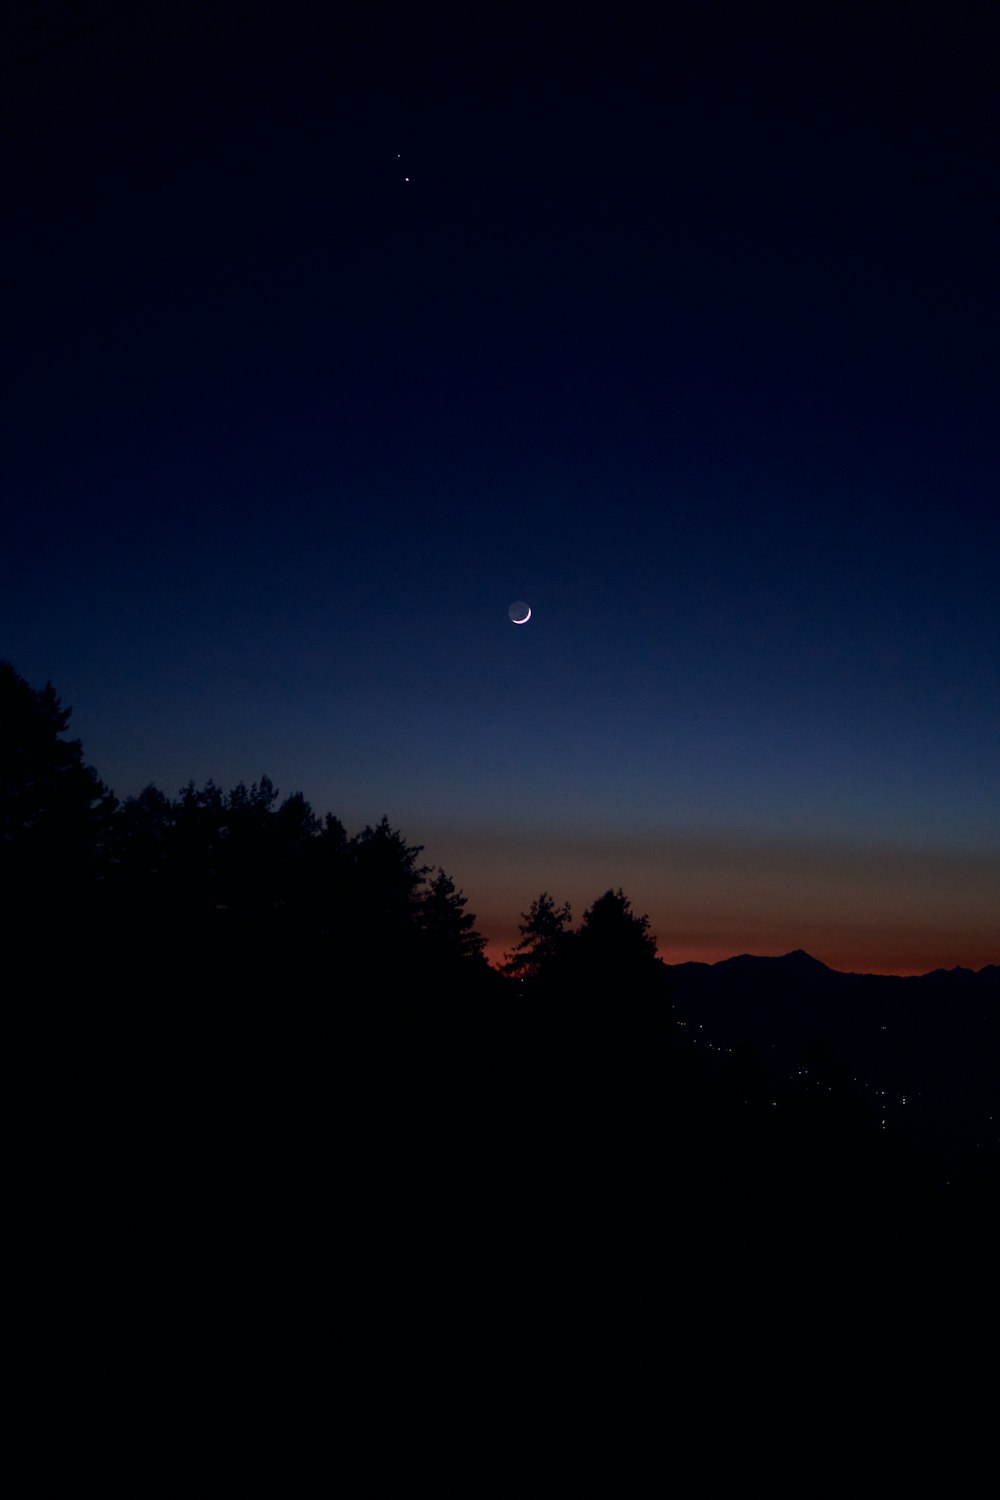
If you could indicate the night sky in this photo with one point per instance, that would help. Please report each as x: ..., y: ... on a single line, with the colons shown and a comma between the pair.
x: 325, y: 338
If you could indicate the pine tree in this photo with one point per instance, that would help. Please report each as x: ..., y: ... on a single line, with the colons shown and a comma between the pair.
x: 544, y: 929
x: 55, y: 812
x: 449, y: 928
x: 612, y: 936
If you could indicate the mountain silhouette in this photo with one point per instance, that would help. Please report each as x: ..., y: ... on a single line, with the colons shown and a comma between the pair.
x: 797, y: 962
x: 919, y: 1052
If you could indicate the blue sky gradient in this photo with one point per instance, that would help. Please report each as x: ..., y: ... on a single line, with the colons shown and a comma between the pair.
x: 705, y: 373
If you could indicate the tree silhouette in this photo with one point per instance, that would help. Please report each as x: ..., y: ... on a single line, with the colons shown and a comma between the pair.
x: 379, y: 917
x: 544, y: 930
x: 139, y: 861
x: 613, y: 960
x: 612, y: 937
x: 54, y: 810
x: 247, y: 854
x: 196, y: 847
x: 325, y: 895
x: 449, y: 929
x: 295, y: 835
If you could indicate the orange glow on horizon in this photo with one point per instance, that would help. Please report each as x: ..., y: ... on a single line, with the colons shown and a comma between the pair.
x: 879, y: 909
x: 918, y: 960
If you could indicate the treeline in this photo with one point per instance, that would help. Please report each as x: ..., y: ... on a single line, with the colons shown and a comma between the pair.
x: 240, y: 871
x: 262, y: 881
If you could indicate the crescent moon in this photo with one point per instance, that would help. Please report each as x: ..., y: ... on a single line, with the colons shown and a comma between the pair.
x: 524, y: 621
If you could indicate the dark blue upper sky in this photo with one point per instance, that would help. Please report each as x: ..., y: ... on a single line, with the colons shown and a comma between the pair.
x: 683, y: 331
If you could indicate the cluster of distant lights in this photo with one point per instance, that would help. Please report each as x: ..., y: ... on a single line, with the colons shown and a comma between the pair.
x: 802, y: 1072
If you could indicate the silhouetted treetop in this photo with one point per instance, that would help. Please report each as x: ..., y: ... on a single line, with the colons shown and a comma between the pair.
x: 54, y: 809
x: 296, y: 821
x: 611, y: 933
x: 544, y: 929
x: 449, y: 928
x: 386, y: 874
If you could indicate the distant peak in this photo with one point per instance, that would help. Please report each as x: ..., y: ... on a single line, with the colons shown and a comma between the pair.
x: 802, y: 959
x: 797, y: 959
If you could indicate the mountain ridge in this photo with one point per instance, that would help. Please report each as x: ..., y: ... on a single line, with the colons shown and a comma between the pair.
x: 800, y: 962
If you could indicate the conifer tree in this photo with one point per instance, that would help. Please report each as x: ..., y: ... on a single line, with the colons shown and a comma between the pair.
x: 544, y: 929
x: 450, y: 929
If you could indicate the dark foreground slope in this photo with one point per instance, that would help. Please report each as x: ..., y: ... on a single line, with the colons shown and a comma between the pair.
x: 249, y: 1185
x: 754, y: 1089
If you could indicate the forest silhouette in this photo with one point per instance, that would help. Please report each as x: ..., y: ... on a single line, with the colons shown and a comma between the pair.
x: 241, y: 952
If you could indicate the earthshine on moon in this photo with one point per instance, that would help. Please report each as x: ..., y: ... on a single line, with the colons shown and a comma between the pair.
x: 519, y: 612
